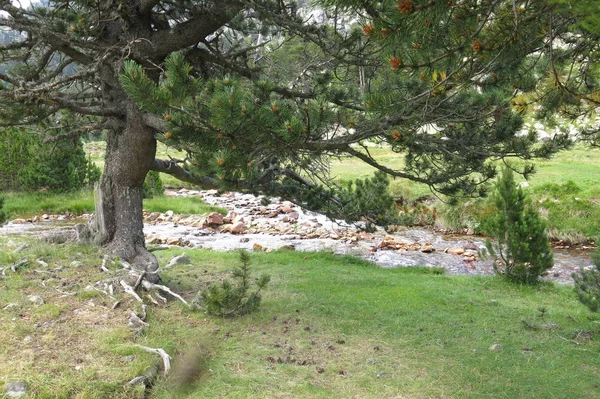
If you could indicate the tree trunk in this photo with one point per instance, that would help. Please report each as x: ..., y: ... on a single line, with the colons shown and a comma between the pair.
x: 118, y: 222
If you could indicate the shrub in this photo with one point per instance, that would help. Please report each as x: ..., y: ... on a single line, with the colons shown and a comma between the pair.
x: 522, y: 249
x: 587, y: 284
x: 58, y: 167
x: 153, y: 186
x: 234, y: 299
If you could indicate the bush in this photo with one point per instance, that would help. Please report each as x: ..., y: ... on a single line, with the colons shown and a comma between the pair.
x: 231, y: 299
x: 26, y: 163
x: 522, y: 249
x: 587, y: 284
x: 153, y: 186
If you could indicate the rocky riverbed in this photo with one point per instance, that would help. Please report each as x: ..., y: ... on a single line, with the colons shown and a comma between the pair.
x: 252, y: 225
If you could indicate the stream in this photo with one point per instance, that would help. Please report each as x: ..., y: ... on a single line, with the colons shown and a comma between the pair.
x: 252, y: 225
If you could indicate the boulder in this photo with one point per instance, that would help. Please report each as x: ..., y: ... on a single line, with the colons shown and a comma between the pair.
x: 215, y: 219
x: 182, y: 259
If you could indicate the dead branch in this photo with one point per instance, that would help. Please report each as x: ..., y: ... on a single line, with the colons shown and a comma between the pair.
x: 161, y: 352
x: 129, y: 290
x: 150, y: 286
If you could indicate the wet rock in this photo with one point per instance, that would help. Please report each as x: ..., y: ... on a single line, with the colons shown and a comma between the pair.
x: 16, y: 389
x: 45, y: 216
x: 154, y: 240
x: 427, y: 248
x: 236, y: 228
x: 19, y: 221
x: 36, y: 300
x: 214, y: 219
x: 455, y: 251
x: 182, y: 259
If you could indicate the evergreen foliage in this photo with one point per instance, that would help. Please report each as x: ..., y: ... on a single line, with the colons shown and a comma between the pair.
x: 587, y: 284
x: 234, y: 299
x: 153, y: 185
x: 27, y: 163
x: 522, y: 250
x: 3, y: 214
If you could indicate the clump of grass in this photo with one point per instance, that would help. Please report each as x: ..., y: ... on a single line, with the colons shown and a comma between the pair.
x: 183, y: 205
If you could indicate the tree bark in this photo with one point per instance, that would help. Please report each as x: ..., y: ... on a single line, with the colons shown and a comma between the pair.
x: 118, y: 222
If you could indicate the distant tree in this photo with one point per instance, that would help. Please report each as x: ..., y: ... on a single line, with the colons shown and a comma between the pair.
x: 197, y: 75
x: 521, y: 249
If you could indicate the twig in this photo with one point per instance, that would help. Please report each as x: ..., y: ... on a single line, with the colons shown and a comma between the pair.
x: 154, y: 301
x: 128, y: 289
x: 150, y: 286
x: 162, y: 298
x: 139, y: 280
x: 161, y: 352
x: 104, y: 262
x: 41, y: 262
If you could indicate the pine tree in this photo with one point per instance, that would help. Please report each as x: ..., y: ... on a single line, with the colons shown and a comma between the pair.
x: 587, y: 284
x: 436, y: 82
x: 521, y: 250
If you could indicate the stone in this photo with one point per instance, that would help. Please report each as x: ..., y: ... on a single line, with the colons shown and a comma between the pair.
x: 174, y: 241
x: 76, y: 263
x: 16, y: 389
x: 427, y: 248
x: 154, y: 240
x: 286, y: 209
x: 496, y: 348
x: 153, y: 216
x: 455, y: 251
x: 257, y: 248
x: 182, y: 259
x: 36, y: 300
x: 169, y: 214
x: 19, y: 221
x: 45, y: 216
x: 236, y: 228
x: 214, y: 219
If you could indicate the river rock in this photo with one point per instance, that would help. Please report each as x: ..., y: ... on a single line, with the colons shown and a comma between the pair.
x: 19, y: 221
x: 427, y: 248
x: 16, y: 389
x: 455, y: 251
x: 215, y: 219
x: 236, y: 228
x: 182, y: 259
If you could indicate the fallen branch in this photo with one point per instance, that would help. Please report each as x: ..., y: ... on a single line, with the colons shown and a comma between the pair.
x: 150, y: 286
x: 104, y: 262
x: 161, y: 352
x: 129, y: 290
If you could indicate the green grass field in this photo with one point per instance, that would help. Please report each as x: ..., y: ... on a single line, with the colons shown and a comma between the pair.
x: 329, y: 326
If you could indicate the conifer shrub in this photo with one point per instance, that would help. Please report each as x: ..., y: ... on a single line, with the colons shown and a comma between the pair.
x: 153, y: 185
x: 230, y: 299
x: 521, y: 250
x: 26, y: 163
x: 587, y: 284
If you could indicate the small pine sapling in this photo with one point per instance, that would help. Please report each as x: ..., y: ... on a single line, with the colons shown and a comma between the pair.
x: 522, y: 250
x: 234, y: 299
x: 587, y: 284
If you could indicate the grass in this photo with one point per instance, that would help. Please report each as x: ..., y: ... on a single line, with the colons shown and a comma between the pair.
x: 329, y: 326
x: 565, y: 189
x: 25, y: 205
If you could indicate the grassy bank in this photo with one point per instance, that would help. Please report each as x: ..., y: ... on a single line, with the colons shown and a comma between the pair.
x: 329, y: 326
x: 23, y: 205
